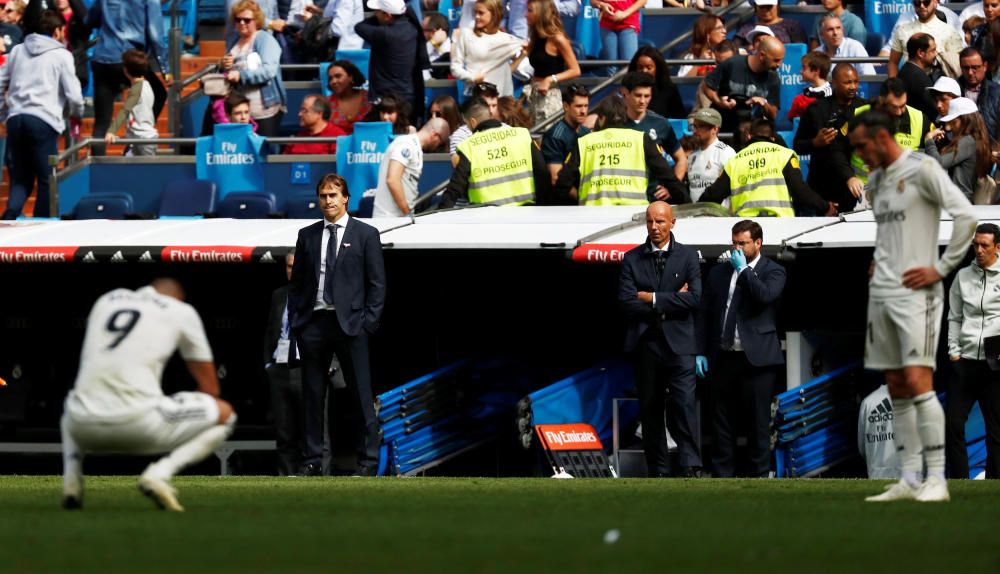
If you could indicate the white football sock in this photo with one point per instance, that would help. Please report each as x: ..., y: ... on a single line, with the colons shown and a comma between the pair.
x: 72, y: 463
x: 930, y: 422
x: 193, y: 451
x: 907, y: 439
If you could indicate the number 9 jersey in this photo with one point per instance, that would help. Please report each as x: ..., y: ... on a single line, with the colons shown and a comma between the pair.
x: 130, y: 337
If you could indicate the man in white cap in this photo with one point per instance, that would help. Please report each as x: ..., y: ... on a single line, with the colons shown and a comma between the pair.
x: 943, y: 91
x: 836, y: 44
x: 710, y: 154
x: 766, y: 14
x: 754, y: 37
x: 398, y: 53
x: 977, y: 87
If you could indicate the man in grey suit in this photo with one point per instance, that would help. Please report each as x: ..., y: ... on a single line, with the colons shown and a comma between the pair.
x: 738, y: 346
x: 336, y: 297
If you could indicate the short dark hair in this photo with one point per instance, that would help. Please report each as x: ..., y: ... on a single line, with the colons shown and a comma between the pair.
x: 334, y: 180
x: 473, y: 107
x: 232, y: 100
x: 756, y: 232
x: 970, y: 52
x: 612, y: 109
x: 919, y: 42
x: 762, y: 128
x: 573, y: 90
x: 872, y: 121
x: 49, y: 22
x: 990, y: 228
x: 893, y: 86
x: 436, y: 21
x: 633, y: 80
x: 485, y: 90
x: 724, y: 46
x: 135, y: 62
x: 320, y: 105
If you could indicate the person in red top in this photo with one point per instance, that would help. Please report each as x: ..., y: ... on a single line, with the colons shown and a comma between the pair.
x: 314, y: 117
x: 619, y: 27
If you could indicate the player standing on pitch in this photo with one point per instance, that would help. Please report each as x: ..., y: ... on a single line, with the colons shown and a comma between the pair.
x: 117, y: 405
x: 905, y: 301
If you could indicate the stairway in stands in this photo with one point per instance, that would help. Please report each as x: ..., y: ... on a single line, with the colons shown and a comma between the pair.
x: 210, y: 52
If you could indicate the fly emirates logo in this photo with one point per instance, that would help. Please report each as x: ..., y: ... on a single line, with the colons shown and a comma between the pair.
x: 563, y: 438
x: 230, y: 156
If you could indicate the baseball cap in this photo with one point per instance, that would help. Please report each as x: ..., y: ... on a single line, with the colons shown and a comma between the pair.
x: 946, y: 85
x: 960, y: 107
x: 766, y: 2
x: 758, y: 31
x: 394, y: 7
x: 707, y: 116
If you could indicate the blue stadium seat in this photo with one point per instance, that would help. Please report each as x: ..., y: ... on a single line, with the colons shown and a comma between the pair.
x: 188, y: 197
x: 302, y: 206
x: 247, y: 205
x: 103, y: 205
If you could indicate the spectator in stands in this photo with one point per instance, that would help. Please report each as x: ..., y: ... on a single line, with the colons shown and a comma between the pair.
x: 401, y: 166
x: 743, y: 84
x: 835, y: 44
x: 314, y: 119
x: 979, y: 89
x: 921, y: 52
x: 817, y: 137
x: 752, y: 188
x: 437, y: 35
x: 77, y: 30
x: 516, y: 21
x: 635, y: 153
x: 815, y: 68
x: 37, y: 83
x: 517, y: 176
x: 237, y: 109
x: 971, y: 320
x: 393, y: 109
x: 284, y: 376
x: 512, y: 113
x: 398, y: 54
x: 854, y: 27
x: 980, y: 38
x: 560, y: 140
x: 708, y: 31
x: 349, y: 102
x: 966, y: 154
x: 446, y: 108
x: 119, y: 30
x: 14, y: 11
x: 755, y: 36
x: 551, y: 56
x: 666, y: 99
x: 969, y: 27
x: 637, y: 90
x: 252, y: 64
x: 947, y: 38
x: 271, y: 23
x: 766, y: 14
x: 909, y: 16
x: 972, y: 11
x: 10, y: 34
x: 710, y: 155
x: 619, y: 28
x: 943, y: 90
x: 484, y: 54
x: 345, y: 15
x: 486, y: 92
x: 136, y: 114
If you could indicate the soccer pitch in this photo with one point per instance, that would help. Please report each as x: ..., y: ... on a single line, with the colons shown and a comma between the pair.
x: 269, y: 524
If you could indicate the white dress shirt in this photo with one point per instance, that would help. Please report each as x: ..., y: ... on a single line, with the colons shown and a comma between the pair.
x: 729, y: 300
x: 666, y: 247
x: 341, y: 224
x: 345, y: 14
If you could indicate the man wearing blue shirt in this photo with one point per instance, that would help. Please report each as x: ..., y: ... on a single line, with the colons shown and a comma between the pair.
x: 637, y: 91
x: 560, y: 140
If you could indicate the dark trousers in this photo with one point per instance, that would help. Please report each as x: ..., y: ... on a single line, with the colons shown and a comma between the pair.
x: 30, y: 142
x: 270, y: 127
x: 741, y: 391
x: 975, y: 382
x: 666, y: 384
x: 318, y: 341
x: 286, y: 407
x: 109, y: 81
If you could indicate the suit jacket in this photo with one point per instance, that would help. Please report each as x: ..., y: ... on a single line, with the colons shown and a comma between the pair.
x: 358, y: 283
x: 279, y: 298
x: 673, y: 313
x: 755, y: 303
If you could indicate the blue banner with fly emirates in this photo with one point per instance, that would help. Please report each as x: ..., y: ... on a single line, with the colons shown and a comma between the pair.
x: 232, y: 158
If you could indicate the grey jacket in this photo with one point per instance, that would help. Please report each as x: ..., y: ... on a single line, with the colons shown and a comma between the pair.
x: 39, y: 79
x: 974, y: 310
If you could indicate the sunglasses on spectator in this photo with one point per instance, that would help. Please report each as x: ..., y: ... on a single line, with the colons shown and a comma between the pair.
x: 243, y: 20
x: 577, y: 90
x: 922, y: 2
x: 486, y: 88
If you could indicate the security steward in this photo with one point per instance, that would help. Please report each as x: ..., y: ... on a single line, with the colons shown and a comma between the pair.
x: 498, y: 165
x: 763, y: 180
x: 613, y: 164
x: 911, y: 128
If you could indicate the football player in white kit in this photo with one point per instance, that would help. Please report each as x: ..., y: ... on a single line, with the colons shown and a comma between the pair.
x: 117, y: 405
x: 908, y: 190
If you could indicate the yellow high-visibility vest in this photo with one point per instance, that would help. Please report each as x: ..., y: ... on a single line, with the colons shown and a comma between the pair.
x: 612, y: 168
x: 756, y: 181
x: 501, y: 166
x: 909, y: 140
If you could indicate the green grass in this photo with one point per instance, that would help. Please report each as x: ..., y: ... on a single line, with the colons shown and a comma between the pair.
x: 252, y: 524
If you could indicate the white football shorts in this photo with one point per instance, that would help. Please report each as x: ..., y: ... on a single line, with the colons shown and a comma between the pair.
x: 903, y: 331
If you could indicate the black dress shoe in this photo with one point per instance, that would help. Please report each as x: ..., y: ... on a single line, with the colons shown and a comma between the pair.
x: 365, y: 470
x: 692, y: 472
x: 310, y: 470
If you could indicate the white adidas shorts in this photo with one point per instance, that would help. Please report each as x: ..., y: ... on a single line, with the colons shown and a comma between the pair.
x: 903, y: 332
x: 174, y: 421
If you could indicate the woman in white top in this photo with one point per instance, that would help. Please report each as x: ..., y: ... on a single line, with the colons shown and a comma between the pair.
x: 485, y: 53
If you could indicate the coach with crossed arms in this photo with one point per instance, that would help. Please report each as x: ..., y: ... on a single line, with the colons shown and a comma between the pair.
x: 336, y: 297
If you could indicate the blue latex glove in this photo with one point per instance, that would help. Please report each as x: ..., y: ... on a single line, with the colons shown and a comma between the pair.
x: 739, y: 260
x: 701, y: 366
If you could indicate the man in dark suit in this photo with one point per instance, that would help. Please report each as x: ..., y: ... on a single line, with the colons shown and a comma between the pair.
x: 738, y: 340
x: 659, y: 290
x: 285, y: 379
x: 336, y: 297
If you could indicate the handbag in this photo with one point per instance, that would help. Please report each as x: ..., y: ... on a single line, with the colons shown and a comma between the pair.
x: 985, y: 192
x: 215, y: 85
